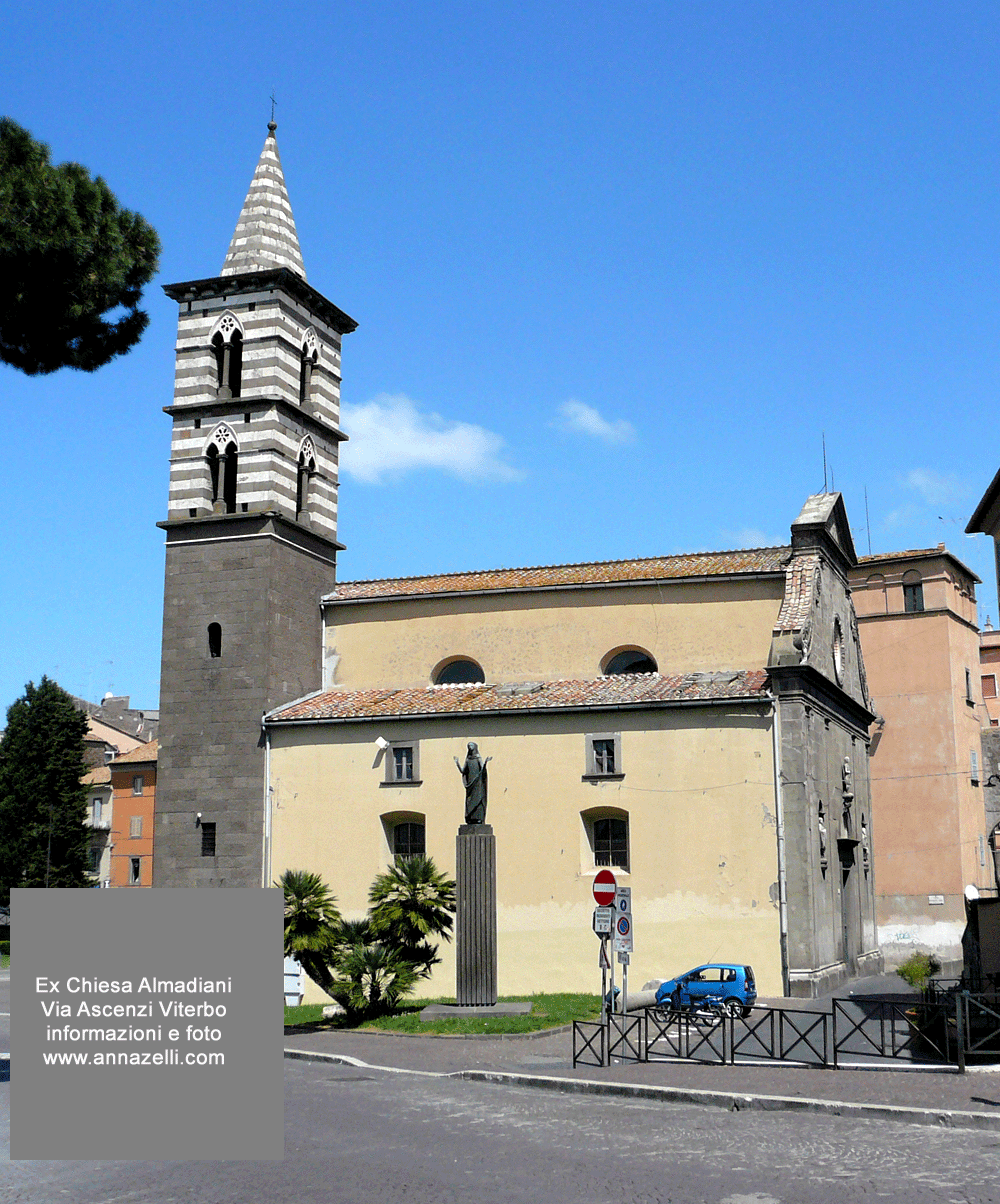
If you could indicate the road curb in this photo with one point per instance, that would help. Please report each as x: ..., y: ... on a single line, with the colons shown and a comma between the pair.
x: 535, y: 1035
x: 732, y: 1101
x: 742, y: 1101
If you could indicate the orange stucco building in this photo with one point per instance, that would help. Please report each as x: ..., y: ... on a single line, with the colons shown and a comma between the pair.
x: 133, y: 779
x: 918, y: 626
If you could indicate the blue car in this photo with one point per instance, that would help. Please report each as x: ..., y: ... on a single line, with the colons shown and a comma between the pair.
x: 720, y: 986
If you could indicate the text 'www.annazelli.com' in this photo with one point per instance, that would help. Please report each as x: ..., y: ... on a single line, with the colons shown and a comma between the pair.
x: 121, y: 1057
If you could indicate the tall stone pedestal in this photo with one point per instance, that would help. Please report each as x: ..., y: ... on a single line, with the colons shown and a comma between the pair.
x: 476, y: 917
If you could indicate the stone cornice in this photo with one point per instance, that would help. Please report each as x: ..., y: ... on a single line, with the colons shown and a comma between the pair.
x: 258, y: 282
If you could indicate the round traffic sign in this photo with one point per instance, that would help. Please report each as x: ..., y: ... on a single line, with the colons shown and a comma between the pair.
x: 604, y: 888
x: 624, y: 925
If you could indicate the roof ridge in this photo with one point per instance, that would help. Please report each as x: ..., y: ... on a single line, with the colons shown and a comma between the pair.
x: 570, y: 564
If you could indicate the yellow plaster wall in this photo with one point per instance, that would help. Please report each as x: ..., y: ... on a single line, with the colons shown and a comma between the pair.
x: 698, y: 789
x: 543, y: 636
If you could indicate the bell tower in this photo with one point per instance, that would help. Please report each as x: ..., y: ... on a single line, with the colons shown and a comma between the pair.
x: 251, y: 533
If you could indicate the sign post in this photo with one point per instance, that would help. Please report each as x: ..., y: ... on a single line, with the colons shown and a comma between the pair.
x: 604, y: 916
x: 623, y: 936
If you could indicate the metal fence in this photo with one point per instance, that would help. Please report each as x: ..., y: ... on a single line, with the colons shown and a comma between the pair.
x: 948, y: 1029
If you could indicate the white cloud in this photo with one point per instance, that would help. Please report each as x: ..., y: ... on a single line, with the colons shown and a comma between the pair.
x: 390, y: 436
x: 752, y: 537
x: 937, y: 489
x: 578, y: 416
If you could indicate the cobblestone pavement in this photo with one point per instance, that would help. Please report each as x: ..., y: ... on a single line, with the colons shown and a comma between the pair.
x: 355, y: 1135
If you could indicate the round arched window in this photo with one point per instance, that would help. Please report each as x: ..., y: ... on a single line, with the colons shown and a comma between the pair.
x: 459, y: 672
x: 632, y: 660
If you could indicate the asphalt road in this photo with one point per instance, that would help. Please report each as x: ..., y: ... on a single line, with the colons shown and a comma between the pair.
x: 354, y: 1136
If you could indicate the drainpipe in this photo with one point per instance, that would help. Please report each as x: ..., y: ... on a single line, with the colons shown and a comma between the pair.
x: 779, y: 810
x: 267, y: 806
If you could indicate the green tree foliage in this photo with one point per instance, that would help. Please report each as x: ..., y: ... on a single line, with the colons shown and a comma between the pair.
x: 409, y: 903
x: 70, y: 260
x: 919, y: 969
x: 312, y: 922
x: 373, y: 979
x: 368, y: 965
x: 43, y: 802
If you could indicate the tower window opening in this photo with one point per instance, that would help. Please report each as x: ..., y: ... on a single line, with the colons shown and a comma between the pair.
x: 229, y: 478
x: 305, y: 471
x: 213, y: 470
x: 219, y: 350
x: 309, y: 359
x: 215, y: 639
x: 227, y: 347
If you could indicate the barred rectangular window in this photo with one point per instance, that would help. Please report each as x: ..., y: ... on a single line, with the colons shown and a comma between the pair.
x: 611, y: 842
x: 409, y: 840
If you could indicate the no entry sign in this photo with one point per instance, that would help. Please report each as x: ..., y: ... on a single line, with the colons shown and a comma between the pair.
x: 604, y: 888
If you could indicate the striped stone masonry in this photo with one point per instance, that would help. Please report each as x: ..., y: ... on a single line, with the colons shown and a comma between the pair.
x: 265, y: 235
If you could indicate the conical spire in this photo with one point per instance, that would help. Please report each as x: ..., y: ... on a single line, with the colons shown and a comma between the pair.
x: 265, y: 235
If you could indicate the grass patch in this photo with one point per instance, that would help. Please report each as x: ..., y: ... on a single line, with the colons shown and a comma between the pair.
x: 4, y: 961
x: 547, y: 1011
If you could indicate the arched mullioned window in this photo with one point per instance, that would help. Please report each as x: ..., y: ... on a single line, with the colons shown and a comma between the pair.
x: 222, y: 454
x: 306, y: 468
x: 227, y: 346
x: 308, y: 360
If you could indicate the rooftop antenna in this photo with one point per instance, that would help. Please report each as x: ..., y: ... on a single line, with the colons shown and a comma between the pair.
x: 868, y: 523
x: 273, y: 103
x: 824, y: 461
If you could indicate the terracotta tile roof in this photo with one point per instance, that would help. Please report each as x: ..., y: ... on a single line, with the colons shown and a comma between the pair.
x: 626, y: 690
x: 97, y: 777
x: 800, y: 582
x: 655, y: 568
x: 916, y: 554
x: 145, y: 752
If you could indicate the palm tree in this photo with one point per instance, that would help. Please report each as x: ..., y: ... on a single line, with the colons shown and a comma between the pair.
x: 410, y: 902
x: 312, y: 922
x: 374, y: 979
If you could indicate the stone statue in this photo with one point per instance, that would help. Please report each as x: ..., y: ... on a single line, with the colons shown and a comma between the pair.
x: 474, y: 776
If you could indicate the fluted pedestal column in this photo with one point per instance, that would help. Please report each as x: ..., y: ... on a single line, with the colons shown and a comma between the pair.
x: 476, y: 916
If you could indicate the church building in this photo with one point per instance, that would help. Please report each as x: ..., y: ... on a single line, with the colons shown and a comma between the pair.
x: 698, y: 724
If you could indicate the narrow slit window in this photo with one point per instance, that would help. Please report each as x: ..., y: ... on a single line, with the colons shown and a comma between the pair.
x: 208, y: 840
x: 215, y: 639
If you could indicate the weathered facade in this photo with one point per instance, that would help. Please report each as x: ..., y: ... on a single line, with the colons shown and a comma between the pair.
x: 725, y: 781
x: 917, y: 616
x: 251, y: 532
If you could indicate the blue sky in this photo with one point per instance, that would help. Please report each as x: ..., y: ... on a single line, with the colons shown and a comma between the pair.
x: 615, y: 274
